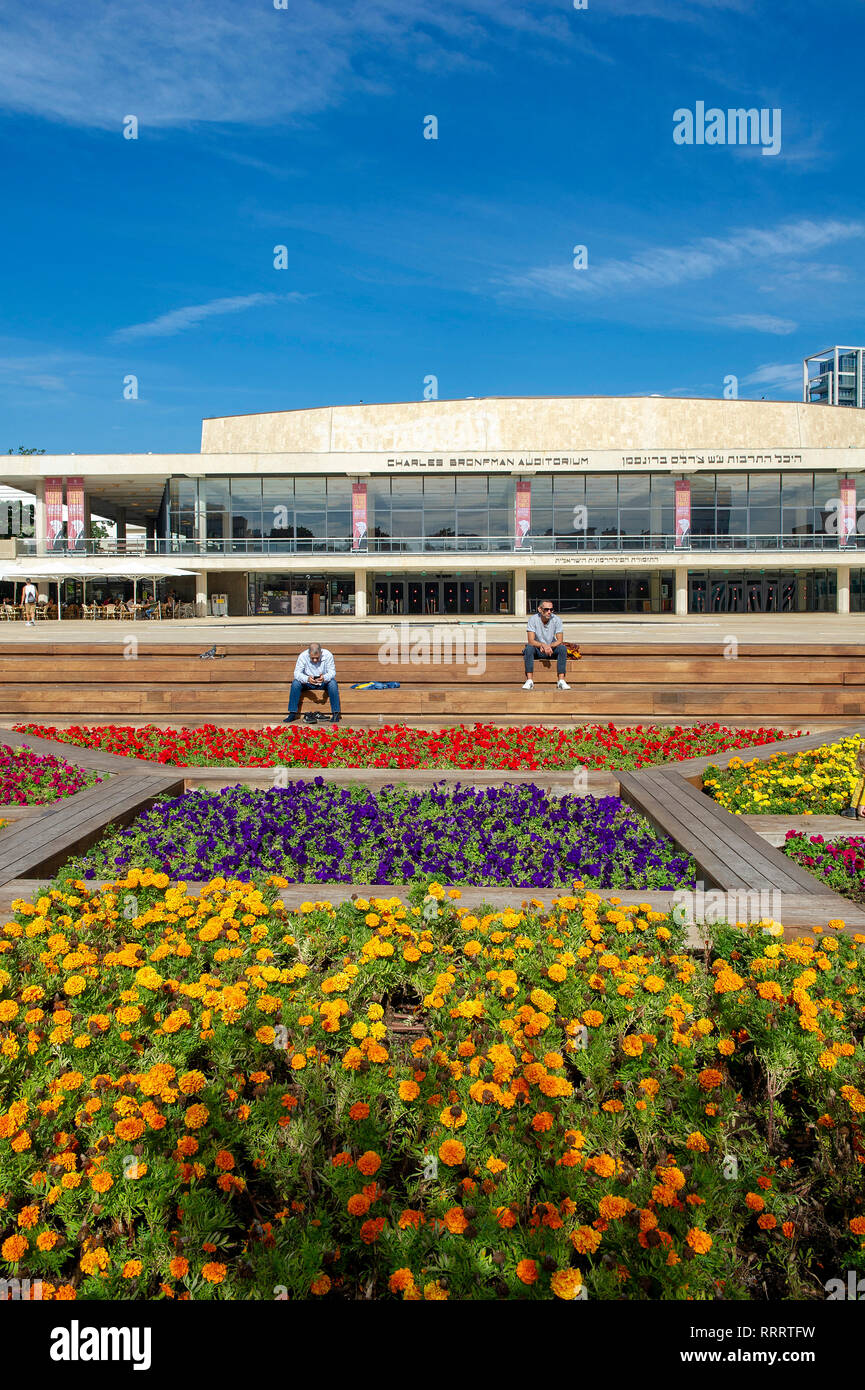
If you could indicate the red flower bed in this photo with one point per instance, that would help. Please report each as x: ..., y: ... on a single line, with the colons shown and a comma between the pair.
x: 478, y: 747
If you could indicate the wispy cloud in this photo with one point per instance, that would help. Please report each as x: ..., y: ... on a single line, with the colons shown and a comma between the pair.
x: 178, y: 320
x: 663, y: 267
x: 219, y: 61
x: 775, y: 376
x: 758, y: 323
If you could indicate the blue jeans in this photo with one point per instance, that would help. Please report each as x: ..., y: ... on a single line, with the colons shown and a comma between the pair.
x: 298, y: 687
x: 560, y: 652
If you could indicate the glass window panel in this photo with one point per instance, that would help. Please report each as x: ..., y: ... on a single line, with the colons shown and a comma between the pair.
x: 216, y: 493
x: 183, y: 492
x: 634, y: 490
x: 702, y: 489
x: 635, y: 523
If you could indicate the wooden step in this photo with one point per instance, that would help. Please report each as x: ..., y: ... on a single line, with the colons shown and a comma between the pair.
x: 762, y: 703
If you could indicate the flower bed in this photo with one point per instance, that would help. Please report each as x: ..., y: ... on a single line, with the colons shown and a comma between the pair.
x: 30, y: 779
x: 819, y: 782
x: 394, y: 745
x: 839, y: 864
x: 316, y: 832
x: 414, y: 1102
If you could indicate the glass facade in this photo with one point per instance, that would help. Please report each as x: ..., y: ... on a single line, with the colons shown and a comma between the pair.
x: 592, y: 511
x: 599, y: 591
x: 762, y: 591
x: 281, y: 595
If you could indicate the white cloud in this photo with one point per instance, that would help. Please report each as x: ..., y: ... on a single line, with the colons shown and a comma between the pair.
x: 177, y: 320
x: 226, y: 62
x: 776, y: 376
x: 663, y: 267
x: 758, y: 323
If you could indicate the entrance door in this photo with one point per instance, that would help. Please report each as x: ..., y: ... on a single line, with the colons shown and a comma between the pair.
x: 718, y: 596
x: 450, y: 596
x: 771, y: 595
x: 696, y: 594
x: 415, y: 596
x: 468, y: 599
x: 432, y: 597
x: 735, y: 597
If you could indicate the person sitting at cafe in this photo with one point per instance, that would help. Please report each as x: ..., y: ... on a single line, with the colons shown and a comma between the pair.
x: 546, y: 639
x: 315, y: 670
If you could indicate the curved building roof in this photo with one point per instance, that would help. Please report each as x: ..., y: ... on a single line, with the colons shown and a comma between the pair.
x: 539, y: 423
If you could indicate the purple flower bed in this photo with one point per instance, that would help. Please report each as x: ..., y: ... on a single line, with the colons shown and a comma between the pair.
x: 840, y: 864
x: 317, y: 832
x: 29, y: 779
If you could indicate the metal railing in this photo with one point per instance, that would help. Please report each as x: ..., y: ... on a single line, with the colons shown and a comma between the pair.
x: 577, y: 543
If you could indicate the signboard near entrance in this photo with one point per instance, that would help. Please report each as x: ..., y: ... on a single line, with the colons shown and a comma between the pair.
x: 847, y: 516
x: 358, y: 516
x: 54, y: 513
x: 683, y: 513
x: 75, y: 514
x: 523, y: 516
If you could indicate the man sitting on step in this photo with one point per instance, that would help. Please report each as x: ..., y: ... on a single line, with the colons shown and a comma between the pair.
x: 315, y: 670
x: 546, y: 638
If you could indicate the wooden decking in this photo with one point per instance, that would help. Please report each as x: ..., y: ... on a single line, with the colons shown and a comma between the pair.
x: 460, y: 674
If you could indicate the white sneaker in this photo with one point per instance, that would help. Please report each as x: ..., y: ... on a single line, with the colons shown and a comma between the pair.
x: 529, y: 685
x: 563, y: 684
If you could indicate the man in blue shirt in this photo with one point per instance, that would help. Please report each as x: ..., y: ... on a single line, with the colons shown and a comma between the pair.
x: 315, y: 670
x: 546, y: 638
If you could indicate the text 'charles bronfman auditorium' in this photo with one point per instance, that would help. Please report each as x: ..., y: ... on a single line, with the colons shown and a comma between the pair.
x: 479, y: 507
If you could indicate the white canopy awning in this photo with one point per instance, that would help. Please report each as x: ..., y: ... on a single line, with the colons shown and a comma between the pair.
x: 53, y: 567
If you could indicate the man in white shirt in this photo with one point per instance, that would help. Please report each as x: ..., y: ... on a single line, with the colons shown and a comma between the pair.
x: 315, y: 670
x: 546, y: 638
x: 28, y: 598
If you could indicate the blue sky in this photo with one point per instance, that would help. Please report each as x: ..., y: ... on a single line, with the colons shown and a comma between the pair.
x: 408, y: 257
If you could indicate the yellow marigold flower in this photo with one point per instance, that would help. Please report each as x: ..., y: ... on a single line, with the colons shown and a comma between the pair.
x: 76, y: 984
x: 454, y: 1117
x: 435, y: 1292
x: 567, y: 1283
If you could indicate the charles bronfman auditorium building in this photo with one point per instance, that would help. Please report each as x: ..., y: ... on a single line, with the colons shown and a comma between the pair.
x: 472, y: 508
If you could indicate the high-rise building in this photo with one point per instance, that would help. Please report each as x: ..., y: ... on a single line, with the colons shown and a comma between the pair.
x: 834, y: 377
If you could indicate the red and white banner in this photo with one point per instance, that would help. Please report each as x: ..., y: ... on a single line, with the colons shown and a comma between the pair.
x: 523, y: 513
x: 75, y: 514
x: 683, y: 513
x: 847, y: 513
x: 54, y: 513
x: 358, y: 515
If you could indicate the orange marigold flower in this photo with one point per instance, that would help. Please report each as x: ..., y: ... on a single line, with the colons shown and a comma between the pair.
x: 132, y: 1269
x: 409, y: 1090
x: 47, y: 1240
x: 400, y: 1280
x: 754, y: 1201
x: 857, y: 1225
x: 709, y: 1078
x: 767, y: 1222
x: 452, y: 1153
x: 359, y: 1111
x: 410, y: 1217
x: 358, y: 1204
x: 542, y: 1121
x: 527, y: 1271
x: 699, y: 1241
x: 788, y: 1229
x: 614, y: 1208
x: 698, y: 1142
x: 14, y: 1247
x: 320, y: 1286
x: 214, y: 1272
x: 369, y: 1163
x: 224, y: 1161
x: 506, y: 1218
x: 178, y: 1267
x: 585, y: 1240
x: 456, y: 1221
x: 371, y: 1230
